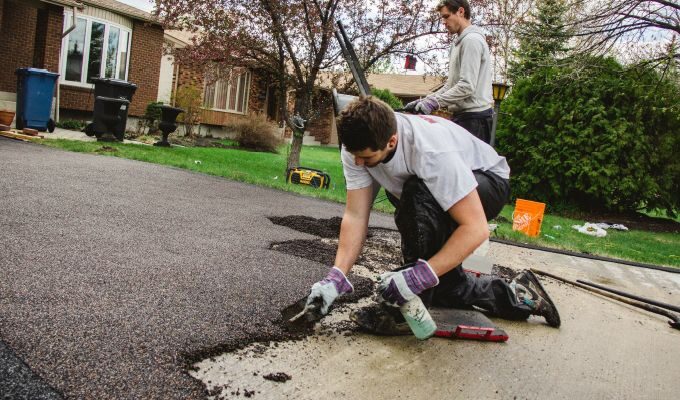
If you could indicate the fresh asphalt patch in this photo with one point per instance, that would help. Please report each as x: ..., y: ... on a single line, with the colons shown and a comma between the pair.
x: 117, y: 275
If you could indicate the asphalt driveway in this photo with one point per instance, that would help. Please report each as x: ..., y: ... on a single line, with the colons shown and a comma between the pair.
x: 114, y: 273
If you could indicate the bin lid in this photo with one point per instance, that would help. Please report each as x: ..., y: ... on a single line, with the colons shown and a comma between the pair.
x: 35, y: 71
x: 112, y: 100
x: 112, y: 81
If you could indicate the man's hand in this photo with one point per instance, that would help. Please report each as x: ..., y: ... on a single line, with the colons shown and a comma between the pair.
x: 427, y: 105
x: 327, y: 290
x: 401, y: 286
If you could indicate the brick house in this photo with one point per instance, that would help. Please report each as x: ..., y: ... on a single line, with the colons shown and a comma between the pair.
x: 233, y: 97
x: 104, y: 38
x: 251, y: 91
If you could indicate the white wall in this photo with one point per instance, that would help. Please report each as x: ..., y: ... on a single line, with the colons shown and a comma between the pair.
x: 165, y: 79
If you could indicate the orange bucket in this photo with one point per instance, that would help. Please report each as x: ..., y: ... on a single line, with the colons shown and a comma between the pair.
x: 528, y: 216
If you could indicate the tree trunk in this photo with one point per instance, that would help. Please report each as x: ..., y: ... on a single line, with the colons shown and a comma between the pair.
x: 295, y: 149
x: 302, y: 98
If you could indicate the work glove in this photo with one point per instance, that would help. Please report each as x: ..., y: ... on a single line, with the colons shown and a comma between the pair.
x: 427, y: 105
x: 328, y: 289
x: 411, y: 107
x: 399, y: 287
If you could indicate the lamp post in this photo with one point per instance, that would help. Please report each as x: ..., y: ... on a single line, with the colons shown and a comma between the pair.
x: 499, y: 90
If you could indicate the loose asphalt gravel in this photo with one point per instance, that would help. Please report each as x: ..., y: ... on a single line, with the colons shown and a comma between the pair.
x: 116, y: 274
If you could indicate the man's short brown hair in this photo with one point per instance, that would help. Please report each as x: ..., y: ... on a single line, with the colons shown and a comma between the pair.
x: 454, y: 5
x: 366, y: 123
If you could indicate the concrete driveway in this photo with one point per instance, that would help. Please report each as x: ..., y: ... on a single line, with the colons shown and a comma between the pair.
x: 116, y: 275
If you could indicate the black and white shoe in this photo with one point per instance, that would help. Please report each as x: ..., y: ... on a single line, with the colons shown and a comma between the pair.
x: 530, y: 292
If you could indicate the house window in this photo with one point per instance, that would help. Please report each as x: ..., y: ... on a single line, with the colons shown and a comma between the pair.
x: 229, y: 93
x: 94, y: 49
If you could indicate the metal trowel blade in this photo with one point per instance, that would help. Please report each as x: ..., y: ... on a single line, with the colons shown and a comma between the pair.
x: 299, y: 317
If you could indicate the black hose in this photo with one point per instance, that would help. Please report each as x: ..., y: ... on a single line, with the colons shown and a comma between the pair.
x: 674, y: 318
x: 589, y: 256
x: 631, y: 296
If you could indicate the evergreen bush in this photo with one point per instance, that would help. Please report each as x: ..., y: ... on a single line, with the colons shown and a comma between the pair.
x: 388, y: 97
x: 606, y: 138
x: 71, y: 124
x: 152, y: 116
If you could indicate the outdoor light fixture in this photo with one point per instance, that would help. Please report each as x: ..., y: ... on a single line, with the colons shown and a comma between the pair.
x: 499, y: 90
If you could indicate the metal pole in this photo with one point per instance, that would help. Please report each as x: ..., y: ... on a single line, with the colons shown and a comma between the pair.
x: 496, y: 110
x: 352, y: 59
x: 675, y: 318
x: 631, y: 296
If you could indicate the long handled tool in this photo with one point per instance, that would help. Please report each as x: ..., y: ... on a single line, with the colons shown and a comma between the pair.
x: 631, y: 296
x: 675, y: 319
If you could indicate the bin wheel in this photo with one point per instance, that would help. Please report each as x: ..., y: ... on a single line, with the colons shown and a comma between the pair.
x: 20, y: 124
x: 51, y: 125
x: 89, y: 129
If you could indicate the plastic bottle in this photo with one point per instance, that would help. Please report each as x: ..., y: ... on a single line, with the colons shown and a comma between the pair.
x: 418, y: 318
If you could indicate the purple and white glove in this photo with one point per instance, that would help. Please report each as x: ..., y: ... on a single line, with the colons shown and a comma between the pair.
x: 328, y: 289
x: 427, y: 105
x: 398, y: 287
x: 411, y: 107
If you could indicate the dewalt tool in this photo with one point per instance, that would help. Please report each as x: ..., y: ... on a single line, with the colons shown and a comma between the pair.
x: 308, y: 176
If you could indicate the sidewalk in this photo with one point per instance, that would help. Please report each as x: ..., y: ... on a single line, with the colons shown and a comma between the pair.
x: 60, y: 133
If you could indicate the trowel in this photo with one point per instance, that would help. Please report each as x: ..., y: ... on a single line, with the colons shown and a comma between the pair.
x: 301, y: 317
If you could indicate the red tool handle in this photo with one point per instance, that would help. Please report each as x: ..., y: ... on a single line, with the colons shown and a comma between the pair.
x: 473, y: 332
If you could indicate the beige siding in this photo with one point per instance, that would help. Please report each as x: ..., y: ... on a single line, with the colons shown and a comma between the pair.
x: 107, y: 16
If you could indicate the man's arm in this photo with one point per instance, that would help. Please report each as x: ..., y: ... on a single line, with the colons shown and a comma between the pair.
x: 354, y: 227
x: 471, y: 54
x: 471, y: 232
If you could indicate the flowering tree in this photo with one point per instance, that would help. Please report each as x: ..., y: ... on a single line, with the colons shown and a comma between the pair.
x: 293, y: 41
x: 607, y: 23
x: 502, y: 19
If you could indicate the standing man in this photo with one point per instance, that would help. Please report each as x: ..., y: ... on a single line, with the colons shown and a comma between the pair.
x: 445, y: 185
x: 467, y: 93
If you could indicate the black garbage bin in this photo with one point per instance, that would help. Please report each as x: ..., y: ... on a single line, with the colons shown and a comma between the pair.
x: 108, y: 115
x: 114, y: 89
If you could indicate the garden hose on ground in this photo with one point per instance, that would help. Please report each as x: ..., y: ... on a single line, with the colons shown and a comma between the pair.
x: 674, y: 318
x: 589, y: 256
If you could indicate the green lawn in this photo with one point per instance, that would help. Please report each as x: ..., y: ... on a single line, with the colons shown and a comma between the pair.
x: 268, y: 169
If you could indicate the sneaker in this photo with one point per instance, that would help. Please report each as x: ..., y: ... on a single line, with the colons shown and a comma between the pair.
x: 530, y: 292
x: 379, y: 319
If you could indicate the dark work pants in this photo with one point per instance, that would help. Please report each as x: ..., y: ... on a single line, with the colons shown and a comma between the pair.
x: 477, y: 124
x: 425, y: 227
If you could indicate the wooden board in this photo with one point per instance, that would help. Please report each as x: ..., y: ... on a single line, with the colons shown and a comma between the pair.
x: 19, y: 136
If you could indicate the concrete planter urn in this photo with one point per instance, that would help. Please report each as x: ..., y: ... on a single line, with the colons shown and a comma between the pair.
x: 6, y: 117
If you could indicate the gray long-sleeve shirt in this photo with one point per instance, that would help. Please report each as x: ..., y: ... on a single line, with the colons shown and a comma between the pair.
x: 468, y: 88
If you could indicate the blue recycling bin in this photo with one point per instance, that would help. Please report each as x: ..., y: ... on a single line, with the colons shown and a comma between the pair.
x: 35, y: 89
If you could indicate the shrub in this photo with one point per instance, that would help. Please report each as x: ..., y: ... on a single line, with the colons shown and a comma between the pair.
x: 72, y: 124
x: 256, y: 133
x: 388, y: 97
x: 188, y: 98
x: 602, y: 142
x: 152, y: 116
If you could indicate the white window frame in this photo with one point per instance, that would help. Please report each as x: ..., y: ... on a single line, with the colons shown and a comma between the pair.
x: 245, y: 99
x: 86, y: 49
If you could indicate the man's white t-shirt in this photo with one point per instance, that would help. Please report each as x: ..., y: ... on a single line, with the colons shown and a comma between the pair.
x: 437, y: 151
